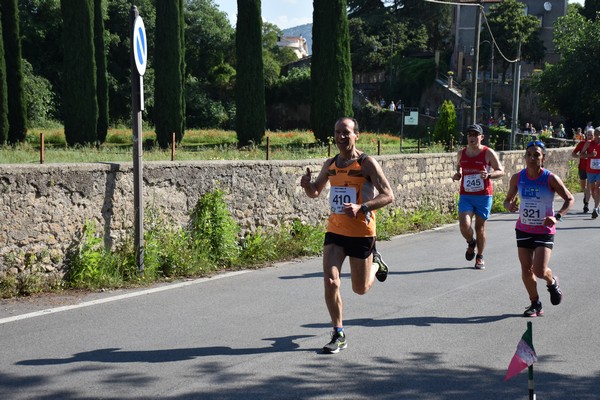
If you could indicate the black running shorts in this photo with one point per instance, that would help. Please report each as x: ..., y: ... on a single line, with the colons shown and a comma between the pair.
x: 533, y: 240
x: 357, y: 247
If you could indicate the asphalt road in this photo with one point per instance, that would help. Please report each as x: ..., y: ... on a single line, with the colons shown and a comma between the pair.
x: 436, y: 329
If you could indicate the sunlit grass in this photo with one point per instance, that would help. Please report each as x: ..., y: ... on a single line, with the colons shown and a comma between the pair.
x: 200, y: 144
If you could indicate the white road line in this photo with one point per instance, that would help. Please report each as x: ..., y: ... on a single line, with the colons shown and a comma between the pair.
x: 119, y: 297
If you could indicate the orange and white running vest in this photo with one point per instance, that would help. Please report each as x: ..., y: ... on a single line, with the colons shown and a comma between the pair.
x: 348, y: 185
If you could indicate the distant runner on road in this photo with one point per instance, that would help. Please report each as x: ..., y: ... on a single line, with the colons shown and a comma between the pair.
x: 475, y: 201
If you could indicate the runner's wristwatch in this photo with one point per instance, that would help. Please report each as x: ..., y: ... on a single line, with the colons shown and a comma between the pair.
x: 558, y: 216
x: 364, y: 209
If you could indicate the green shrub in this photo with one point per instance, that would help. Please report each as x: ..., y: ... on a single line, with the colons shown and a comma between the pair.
x: 169, y: 250
x: 572, y: 179
x: 392, y: 222
x: 287, y: 242
x: 497, y: 136
x: 90, y: 265
x: 498, y: 202
x: 293, y: 88
x: 214, y: 229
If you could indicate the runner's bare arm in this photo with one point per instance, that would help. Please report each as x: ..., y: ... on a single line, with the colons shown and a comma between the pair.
x: 510, y: 202
x: 386, y: 195
x: 560, y: 189
x: 457, y: 175
x: 313, y: 189
x: 494, y: 162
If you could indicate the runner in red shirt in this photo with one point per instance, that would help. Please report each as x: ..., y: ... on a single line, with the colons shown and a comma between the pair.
x: 591, y: 151
x: 478, y: 165
x: 582, y: 168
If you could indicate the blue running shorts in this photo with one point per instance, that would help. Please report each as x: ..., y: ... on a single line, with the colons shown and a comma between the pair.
x: 593, y: 177
x: 481, y: 205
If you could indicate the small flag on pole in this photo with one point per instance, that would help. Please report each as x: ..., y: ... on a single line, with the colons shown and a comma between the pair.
x: 524, y: 356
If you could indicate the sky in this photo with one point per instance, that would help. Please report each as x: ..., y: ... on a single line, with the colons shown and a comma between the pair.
x: 285, y: 13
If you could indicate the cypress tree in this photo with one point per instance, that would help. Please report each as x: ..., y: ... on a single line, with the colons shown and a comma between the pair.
x: 331, y: 68
x: 168, y: 72
x: 80, y: 107
x: 182, y: 65
x: 101, y: 74
x: 3, y: 95
x: 17, y: 106
x: 249, y: 86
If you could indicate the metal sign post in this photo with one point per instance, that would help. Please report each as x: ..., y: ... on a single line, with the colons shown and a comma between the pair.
x: 139, y: 60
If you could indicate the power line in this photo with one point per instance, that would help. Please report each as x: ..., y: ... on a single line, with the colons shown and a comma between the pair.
x: 482, y: 9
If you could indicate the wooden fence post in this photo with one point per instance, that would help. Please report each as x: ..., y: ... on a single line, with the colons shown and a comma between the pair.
x: 42, y: 155
x: 173, y: 147
x: 268, y: 148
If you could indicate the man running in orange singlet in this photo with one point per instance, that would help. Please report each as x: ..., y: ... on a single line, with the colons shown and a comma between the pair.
x: 351, y: 228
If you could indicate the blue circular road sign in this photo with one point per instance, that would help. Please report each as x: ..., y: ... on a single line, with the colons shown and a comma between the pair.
x: 140, y: 45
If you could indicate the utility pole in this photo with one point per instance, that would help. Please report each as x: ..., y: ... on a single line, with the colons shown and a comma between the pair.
x: 515, y: 105
x: 476, y: 61
x: 139, y: 55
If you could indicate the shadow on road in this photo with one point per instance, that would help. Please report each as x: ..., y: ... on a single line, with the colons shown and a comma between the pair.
x: 115, y: 355
x: 420, y: 321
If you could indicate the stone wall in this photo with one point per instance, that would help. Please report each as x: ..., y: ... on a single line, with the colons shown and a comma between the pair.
x: 43, y: 207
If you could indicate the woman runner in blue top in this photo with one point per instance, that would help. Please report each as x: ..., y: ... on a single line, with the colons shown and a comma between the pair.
x: 536, y: 225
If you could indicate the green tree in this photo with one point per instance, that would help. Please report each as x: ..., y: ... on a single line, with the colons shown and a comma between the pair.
x: 101, y: 76
x: 41, y: 38
x: 80, y: 106
x: 3, y: 95
x: 429, y: 23
x: 118, y: 45
x: 169, y: 80
x: 511, y: 28
x: 411, y: 77
x: 331, y: 69
x: 17, y: 106
x: 210, y: 57
x: 274, y: 57
x: 182, y: 66
x: 210, y: 38
x: 249, y: 86
x: 445, y: 128
x: 40, y: 97
x: 564, y: 87
x: 590, y: 9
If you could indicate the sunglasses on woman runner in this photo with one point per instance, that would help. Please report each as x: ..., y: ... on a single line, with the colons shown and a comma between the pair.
x: 536, y: 143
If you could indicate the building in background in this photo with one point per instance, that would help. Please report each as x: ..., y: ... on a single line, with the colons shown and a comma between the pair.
x: 296, y: 43
x: 463, y: 27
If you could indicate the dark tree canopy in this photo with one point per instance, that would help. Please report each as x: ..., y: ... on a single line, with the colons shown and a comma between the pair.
x: 80, y: 107
x: 568, y: 87
x: 17, y: 106
x: 250, y: 83
x: 168, y: 68
x: 101, y: 74
x: 3, y: 96
x: 331, y: 68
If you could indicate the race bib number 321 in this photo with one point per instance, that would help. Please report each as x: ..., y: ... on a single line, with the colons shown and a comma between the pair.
x: 338, y: 195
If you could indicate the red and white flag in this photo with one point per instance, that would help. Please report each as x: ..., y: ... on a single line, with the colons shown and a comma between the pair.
x: 524, y: 356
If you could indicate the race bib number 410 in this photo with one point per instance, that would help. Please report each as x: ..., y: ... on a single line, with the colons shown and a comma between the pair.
x: 338, y: 195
